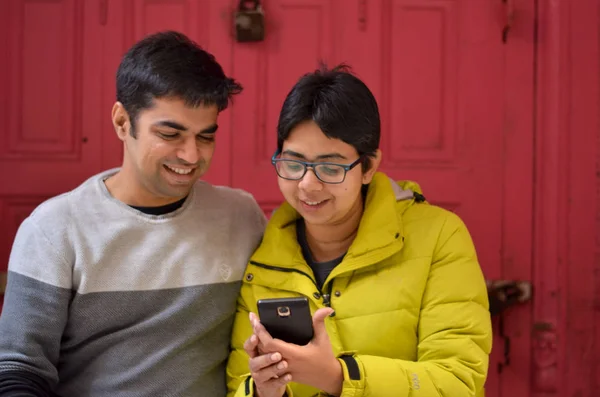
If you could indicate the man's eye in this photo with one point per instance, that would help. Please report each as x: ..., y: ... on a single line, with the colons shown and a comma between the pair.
x: 206, y: 138
x: 168, y: 136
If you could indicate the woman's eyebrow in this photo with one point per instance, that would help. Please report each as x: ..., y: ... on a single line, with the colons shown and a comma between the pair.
x: 327, y: 156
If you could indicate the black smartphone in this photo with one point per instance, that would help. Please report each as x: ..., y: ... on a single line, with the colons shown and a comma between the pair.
x: 287, y: 319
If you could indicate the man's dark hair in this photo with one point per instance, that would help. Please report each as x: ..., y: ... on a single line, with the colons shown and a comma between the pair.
x: 169, y: 64
x: 339, y: 103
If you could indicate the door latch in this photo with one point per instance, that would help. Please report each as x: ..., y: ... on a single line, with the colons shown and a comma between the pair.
x: 503, y: 294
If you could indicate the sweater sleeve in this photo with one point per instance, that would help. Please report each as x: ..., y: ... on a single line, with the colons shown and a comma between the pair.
x: 34, y: 314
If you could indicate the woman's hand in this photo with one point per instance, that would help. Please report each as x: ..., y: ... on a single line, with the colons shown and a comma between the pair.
x: 268, y: 370
x: 314, y: 364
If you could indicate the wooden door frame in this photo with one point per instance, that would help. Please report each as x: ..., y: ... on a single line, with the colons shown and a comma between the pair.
x: 566, y: 199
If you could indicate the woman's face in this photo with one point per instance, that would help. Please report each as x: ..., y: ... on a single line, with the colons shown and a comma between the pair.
x: 317, y: 202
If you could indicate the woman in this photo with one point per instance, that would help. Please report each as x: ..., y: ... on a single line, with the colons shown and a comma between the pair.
x: 411, y: 311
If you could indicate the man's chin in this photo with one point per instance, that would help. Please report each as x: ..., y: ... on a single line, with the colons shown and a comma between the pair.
x: 178, y: 193
x: 175, y: 191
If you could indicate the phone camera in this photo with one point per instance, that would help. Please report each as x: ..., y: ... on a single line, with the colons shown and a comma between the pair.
x: 283, y: 311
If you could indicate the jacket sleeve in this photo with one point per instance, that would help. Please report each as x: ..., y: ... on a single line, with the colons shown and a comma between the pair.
x: 239, y: 381
x: 455, y: 334
x: 34, y: 314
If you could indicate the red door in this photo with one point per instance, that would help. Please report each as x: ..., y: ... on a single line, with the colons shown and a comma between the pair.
x: 456, y: 105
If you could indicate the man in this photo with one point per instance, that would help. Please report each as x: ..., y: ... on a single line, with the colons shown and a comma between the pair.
x: 127, y: 285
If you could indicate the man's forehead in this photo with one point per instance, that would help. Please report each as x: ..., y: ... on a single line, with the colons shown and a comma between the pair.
x: 180, y: 113
x: 180, y: 104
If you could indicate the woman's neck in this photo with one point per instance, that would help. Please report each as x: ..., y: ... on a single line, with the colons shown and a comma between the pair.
x: 328, y: 242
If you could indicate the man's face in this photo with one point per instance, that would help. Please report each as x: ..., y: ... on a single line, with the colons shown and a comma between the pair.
x: 172, y: 148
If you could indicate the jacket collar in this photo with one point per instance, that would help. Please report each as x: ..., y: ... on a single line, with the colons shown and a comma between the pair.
x: 380, y: 232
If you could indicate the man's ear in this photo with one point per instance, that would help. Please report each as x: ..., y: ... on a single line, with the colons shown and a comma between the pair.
x: 374, y: 162
x: 120, y: 120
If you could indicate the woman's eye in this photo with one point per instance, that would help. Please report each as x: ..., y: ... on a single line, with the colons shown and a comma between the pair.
x: 331, y: 170
x: 293, y: 166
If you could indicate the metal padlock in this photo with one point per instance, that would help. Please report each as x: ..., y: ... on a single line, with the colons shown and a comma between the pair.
x: 249, y: 21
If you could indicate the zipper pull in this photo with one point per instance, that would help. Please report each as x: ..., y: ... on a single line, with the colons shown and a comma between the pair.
x: 326, y: 300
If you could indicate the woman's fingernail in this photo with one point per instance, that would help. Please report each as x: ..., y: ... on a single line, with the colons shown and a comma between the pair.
x: 276, y: 357
x: 281, y: 365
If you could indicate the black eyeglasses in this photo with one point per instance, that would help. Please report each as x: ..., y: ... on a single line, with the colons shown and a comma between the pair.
x: 294, y: 170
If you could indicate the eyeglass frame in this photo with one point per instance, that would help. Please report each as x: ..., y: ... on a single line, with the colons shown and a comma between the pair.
x: 307, y: 165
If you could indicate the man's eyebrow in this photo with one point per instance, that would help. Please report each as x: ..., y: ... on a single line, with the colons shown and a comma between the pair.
x: 327, y: 156
x: 210, y: 130
x: 170, y: 124
x: 179, y: 127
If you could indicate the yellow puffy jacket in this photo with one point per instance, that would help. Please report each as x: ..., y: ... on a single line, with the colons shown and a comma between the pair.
x: 411, y: 307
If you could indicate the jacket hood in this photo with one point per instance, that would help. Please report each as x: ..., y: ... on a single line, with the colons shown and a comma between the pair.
x: 406, y: 190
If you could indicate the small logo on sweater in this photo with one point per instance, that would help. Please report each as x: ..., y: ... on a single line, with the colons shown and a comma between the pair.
x: 225, y: 271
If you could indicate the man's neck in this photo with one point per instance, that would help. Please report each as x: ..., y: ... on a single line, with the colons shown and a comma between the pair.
x: 328, y: 242
x: 125, y: 187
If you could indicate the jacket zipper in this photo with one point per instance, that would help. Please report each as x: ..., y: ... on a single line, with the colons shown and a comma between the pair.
x: 326, y: 297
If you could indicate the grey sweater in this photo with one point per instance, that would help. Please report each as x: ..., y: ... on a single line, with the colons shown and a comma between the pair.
x: 103, y: 300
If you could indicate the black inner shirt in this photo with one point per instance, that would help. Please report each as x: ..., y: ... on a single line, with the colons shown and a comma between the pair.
x: 320, y: 269
x: 162, y: 209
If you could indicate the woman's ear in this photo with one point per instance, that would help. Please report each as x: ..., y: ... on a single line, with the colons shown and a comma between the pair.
x: 374, y: 162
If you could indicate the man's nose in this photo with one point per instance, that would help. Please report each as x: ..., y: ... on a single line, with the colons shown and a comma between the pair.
x: 188, y: 151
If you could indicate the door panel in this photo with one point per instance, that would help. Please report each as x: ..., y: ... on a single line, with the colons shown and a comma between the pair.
x: 456, y: 106
x: 50, y: 113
